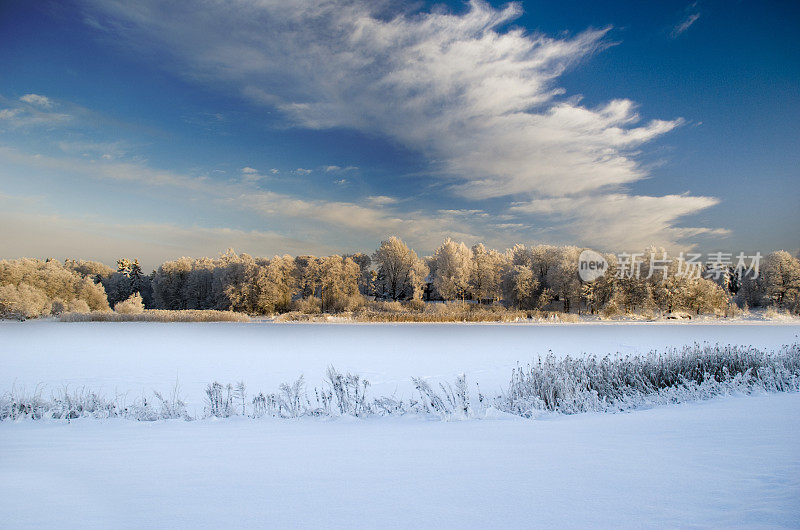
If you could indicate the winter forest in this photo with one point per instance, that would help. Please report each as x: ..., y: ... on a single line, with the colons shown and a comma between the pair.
x: 475, y: 283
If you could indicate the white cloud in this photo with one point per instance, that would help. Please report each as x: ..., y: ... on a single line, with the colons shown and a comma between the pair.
x: 465, y: 213
x: 28, y: 233
x: 7, y: 114
x: 479, y: 100
x: 319, y: 222
x: 25, y: 116
x: 336, y: 169
x: 619, y: 221
x: 381, y: 200
x: 252, y: 176
x: 685, y: 24
x: 106, y: 150
x: 302, y: 171
x: 36, y: 99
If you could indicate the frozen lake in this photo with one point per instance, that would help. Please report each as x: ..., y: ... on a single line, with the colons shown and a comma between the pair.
x: 139, y: 357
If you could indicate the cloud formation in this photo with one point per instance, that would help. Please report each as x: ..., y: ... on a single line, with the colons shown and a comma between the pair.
x: 32, y: 234
x: 29, y: 110
x: 478, y: 99
x: 36, y: 99
x: 685, y: 25
x: 319, y: 222
x: 623, y: 221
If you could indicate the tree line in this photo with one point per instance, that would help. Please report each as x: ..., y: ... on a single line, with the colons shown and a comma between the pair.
x: 539, y: 277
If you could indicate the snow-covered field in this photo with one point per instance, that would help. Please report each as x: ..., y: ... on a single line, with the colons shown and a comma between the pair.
x: 728, y: 461
x: 135, y: 358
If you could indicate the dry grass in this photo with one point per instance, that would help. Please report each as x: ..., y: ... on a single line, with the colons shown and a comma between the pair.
x: 157, y: 315
x: 431, y: 312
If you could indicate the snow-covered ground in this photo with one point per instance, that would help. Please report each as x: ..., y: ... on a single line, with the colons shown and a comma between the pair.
x: 731, y: 461
x: 728, y: 462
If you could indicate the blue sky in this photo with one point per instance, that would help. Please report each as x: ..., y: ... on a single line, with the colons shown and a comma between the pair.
x: 159, y: 129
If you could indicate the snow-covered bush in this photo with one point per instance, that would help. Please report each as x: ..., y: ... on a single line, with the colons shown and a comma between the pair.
x: 349, y: 391
x: 569, y: 385
x: 66, y: 404
x: 292, y: 398
x: 172, y: 405
x: 134, y: 305
x: 219, y: 400
x: 18, y: 404
x: 310, y: 305
x: 453, y: 402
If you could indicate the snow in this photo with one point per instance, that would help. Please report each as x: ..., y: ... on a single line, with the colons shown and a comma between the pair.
x: 136, y: 358
x: 732, y: 461
x: 727, y: 462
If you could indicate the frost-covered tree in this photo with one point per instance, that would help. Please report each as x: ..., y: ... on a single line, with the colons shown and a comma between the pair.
x: 542, y: 258
x: 751, y: 291
x: 452, y: 265
x: 520, y: 255
x: 170, y: 284
x: 664, y: 285
x: 781, y: 284
x: 519, y: 287
x: 127, y: 280
x: 488, y: 267
x: 339, y: 284
x: 633, y: 294
x: 276, y: 283
x: 23, y: 301
x: 35, y: 288
x: 532, y: 268
x: 366, y: 277
x: 702, y: 295
x: 307, y: 272
x: 91, y: 269
x: 401, y: 273
x: 562, y: 277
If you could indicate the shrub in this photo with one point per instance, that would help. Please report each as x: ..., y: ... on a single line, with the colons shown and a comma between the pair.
x: 309, y: 305
x: 78, y: 306
x: 132, y: 306
x: 587, y: 384
x: 414, y: 305
x: 65, y: 404
x: 156, y: 315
